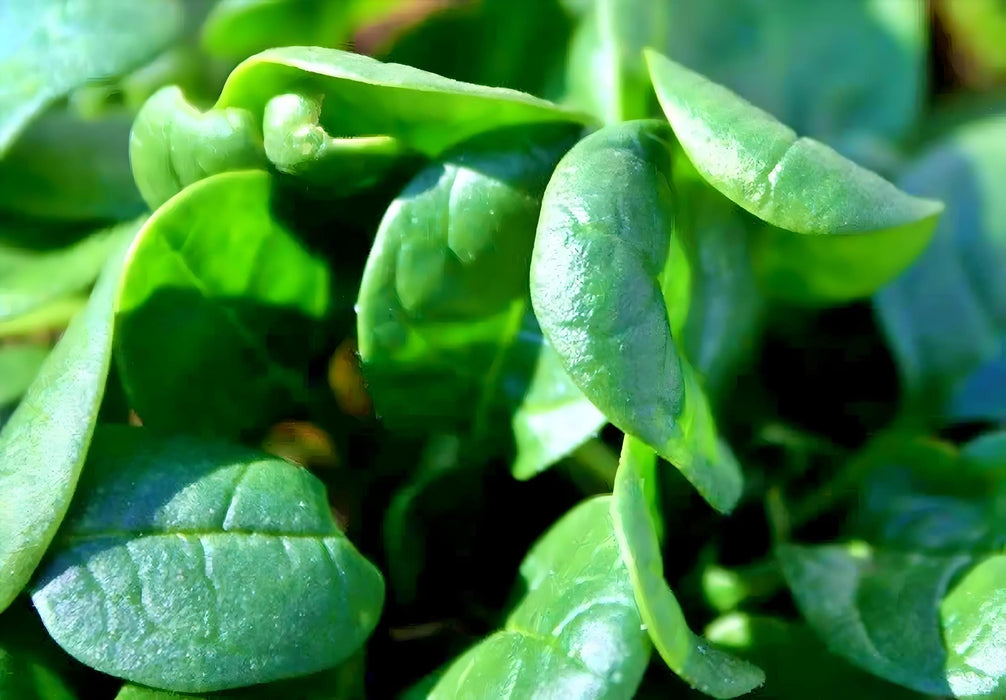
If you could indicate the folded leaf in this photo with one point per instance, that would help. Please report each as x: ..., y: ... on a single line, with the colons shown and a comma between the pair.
x: 50, y: 47
x: 575, y: 633
x: 43, y: 445
x: 602, y: 292
x: 858, y: 230
x: 444, y: 313
x: 355, y: 96
x: 210, y: 279
x: 183, y: 562
x: 635, y: 512
x: 945, y: 317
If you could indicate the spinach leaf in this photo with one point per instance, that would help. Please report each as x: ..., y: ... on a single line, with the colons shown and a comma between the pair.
x: 444, y: 311
x: 575, y: 632
x: 68, y: 168
x: 638, y: 527
x: 215, y: 284
x: 826, y: 216
x: 945, y: 317
x: 848, y: 72
x: 50, y: 47
x: 881, y: 610
x: 602, y: 294
x: 30, y: 279
x: 410, y: 108
x: 45, y: 442
x: 250, y: 544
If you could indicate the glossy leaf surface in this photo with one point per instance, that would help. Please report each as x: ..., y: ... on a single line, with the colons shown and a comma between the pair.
x: 250, y: 544
x: 850, y: 218
x: 601, y: 293
x: 575, y: 633
x: 945, y: 317
x: 45, y: 442
x: 214, y: 275
x: 635, y: 512
x: 49, y: 47
x: 444, y: 312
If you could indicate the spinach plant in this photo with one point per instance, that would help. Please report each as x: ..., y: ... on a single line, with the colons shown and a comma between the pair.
x: 502, y: 348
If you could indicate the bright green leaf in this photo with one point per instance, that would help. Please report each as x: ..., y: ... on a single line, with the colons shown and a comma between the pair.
x: 633, y: 507
x: 250, y: 544
x: 827, y: 216
x: 974, y: 624
x: 43, y: 445
x: 211, y: 278
x: 18, y: 366
x: 575, y: 633
x: 602, y: 294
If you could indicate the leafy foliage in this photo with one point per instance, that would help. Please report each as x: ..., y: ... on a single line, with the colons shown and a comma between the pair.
x: 319, y: 319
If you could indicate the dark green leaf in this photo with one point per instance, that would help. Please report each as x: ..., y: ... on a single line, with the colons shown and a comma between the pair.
x: 250, y: 545
x: 945, y: 317
x: 29, y: 665
x: 575, y: 633
x: 49, y: 47
x: 43, y: 445
x: 634, y: 512
x: 211, y: 279
x: 836, y: 231
x: 602, y: 292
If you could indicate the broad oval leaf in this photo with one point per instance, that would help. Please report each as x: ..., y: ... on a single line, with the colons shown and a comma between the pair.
x: 945, y: 317
x: 209, y: 279
x: 49, y: 47
x: 858, y: 230
x: 359, y: 96
x: 443, y: 311
x: 878, y: 609
x: 598, y: 285
x: 633, y: 506
x: 575, y: 633
x: 45, y: 442
x: 183, y: 562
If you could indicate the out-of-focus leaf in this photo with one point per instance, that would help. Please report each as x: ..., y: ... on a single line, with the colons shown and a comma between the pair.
x: 977, y: 32
x: 18, y: 366
x: 945, y: 317
x: 49, y: 47
x: 29, y: 665
x: 576, y: 632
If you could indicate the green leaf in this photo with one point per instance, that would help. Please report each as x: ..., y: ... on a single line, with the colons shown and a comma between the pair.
x: 848, y: 72
x: 635, y: 513
x: 219, y: 293
x: 826, y: 214
x: 18, y: 366
x: 250, y: 544
x: 444, y: 313
x: 606, y: 73
x: 174, y: 145
x: 43, y: 445
x: 575, y: 633
x: 878, y: 609
x: 67, y: 168
x: 518, y: 44
x: 31, y: 279
x: 797, y: 666
x: 50, y: 47
x: 29, y: 666
x: 974, y: 624
x: 945, y: 317
x: 602, y: 294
